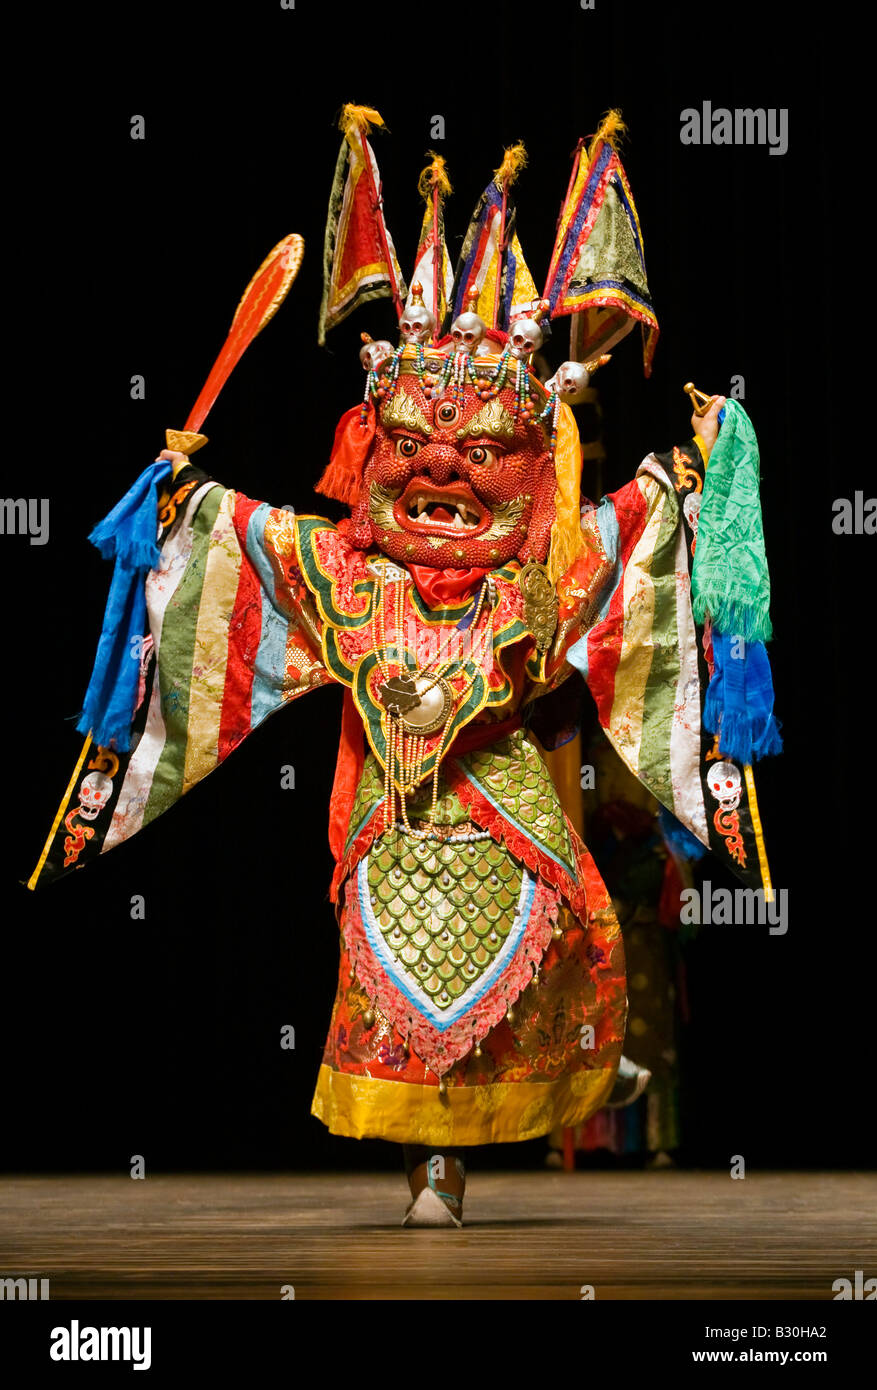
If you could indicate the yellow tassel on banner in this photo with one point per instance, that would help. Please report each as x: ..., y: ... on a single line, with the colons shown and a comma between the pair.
x: 612, y: 129
x: 567, y: 541
x: 434, y: 176
x: 513, y: 161
x: 360, y: 118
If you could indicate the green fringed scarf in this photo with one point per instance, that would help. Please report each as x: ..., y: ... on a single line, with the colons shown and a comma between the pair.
x: 729, y: 579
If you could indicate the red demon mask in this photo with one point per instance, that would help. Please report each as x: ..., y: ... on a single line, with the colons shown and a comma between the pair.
x: 459, y: 478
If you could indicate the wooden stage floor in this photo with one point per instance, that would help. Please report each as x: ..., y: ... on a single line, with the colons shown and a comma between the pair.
x: 664, y: 1235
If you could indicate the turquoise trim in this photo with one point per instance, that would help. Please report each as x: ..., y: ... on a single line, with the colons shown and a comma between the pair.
x: 352, y: 834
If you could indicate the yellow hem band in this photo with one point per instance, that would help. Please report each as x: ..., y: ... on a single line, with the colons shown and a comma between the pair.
x: 366, y: 1107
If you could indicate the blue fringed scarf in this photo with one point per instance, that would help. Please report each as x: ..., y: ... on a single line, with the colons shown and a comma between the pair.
x: 739, y: 700
x: 128, y: 532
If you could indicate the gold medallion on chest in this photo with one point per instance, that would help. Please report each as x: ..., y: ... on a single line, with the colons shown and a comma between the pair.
x: 421, y: 703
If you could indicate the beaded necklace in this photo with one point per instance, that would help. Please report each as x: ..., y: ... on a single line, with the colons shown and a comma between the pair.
x: 404, y: 696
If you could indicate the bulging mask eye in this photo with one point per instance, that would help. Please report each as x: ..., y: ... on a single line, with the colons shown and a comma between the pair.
x: 448, y: 413
x: 481, y: 456
x: 408, y: 448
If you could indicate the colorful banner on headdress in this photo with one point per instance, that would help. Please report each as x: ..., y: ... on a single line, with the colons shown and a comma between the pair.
x: 359, y: 259
x: 598, y: 270
x: 479, y: 263
x: 432, y: 252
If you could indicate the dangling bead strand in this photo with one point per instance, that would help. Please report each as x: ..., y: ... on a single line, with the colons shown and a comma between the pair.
x: 371, y: 386
x: 552, y: 413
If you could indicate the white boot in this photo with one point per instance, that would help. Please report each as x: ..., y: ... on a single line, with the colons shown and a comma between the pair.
x: 429, y: 1209
x: 630, y: 1083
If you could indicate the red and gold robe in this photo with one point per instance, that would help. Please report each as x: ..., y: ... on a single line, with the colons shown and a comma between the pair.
x: 481, y: 991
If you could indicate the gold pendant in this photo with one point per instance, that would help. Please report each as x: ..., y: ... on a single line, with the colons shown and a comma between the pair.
x: 540, y: 603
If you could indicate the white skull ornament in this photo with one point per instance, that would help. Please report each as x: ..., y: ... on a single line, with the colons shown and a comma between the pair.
x: 467, y: 330
x: 726, y: 785
x: 94, y: 793
x: 691, y: 509
x: 570, y: 381
x: 374, y: 355
x: 417, y: 324
x: 525, y: 338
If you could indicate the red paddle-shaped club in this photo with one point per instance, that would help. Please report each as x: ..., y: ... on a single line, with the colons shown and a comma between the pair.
x: 261, y: 299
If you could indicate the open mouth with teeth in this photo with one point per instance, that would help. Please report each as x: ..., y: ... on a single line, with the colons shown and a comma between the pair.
x: 444, y: 511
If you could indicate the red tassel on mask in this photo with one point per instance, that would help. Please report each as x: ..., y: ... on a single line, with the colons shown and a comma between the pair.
x: 353, y: 441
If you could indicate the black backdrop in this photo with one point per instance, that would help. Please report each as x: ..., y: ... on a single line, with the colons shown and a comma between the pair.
x: 161, y: 1036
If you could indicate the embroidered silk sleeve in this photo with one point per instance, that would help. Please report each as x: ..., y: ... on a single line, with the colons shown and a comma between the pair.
x: 639, y: 655
x: 643, y: 658
x: 233, y: 637
x: 685, y: 465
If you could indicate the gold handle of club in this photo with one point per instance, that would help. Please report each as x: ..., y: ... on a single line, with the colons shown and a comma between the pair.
x: 184, y: 442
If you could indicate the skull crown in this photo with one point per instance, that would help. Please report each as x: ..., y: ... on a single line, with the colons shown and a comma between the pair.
x: 571, y: 381
x: 525, y: 338
x: 467, y: 331
x: 417, y: 324
x: 374, y: 354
